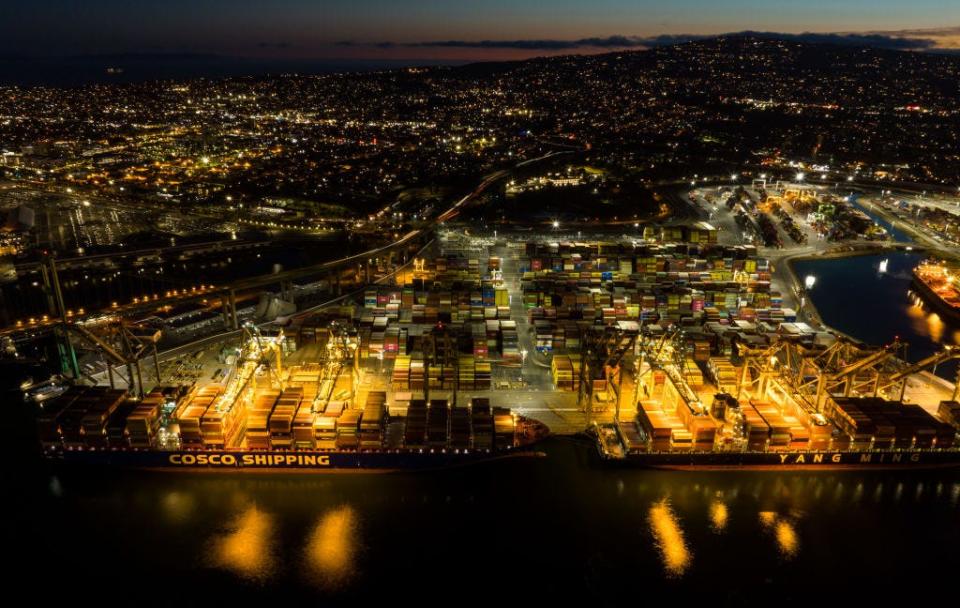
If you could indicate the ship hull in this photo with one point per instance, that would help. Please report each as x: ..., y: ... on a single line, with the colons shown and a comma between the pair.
x: 934, y: 301
x: 279, y: 461
x: 903, y: 459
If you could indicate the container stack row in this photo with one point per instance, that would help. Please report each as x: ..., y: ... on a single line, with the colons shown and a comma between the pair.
x: 878, y: 424
x: 100, y: 417
x: 566, y: 372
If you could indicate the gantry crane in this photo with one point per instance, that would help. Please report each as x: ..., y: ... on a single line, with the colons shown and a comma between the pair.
x: 339, y: 351
x: 665, y: 355
x: 602, y: 350
x: 652, y: 352
x: 268, y: 353
x: 759, y: 364
x: 440, y: 348
x: 845, y: 369
x: 899, y: 378
x: 122, y: 344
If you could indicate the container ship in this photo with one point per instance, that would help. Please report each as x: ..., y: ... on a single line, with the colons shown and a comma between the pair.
x: 95, y: 427
x: 833, y: 421
x: 307, y: 418
x: 937, y: 285
x: 890, y: 436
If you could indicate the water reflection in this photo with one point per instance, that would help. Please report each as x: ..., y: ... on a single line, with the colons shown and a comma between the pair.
x: 669, y: 538
x: 718, y: 515
x: 786, y: 538
x: 916, y: 313
x: 784, y: 532
x: 935, y: 327
x: 929, y: 324
x: 177, y: 506
x: 302, y: 545
x: 332, y: 547
x: 246, y: 547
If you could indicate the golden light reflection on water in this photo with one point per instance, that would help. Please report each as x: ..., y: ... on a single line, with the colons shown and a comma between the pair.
x: 246, y: 548
x: 669, y: 538
x: 930, y: 324
x: 177, y: 506
x: 935, y: 327
x: 787, y: 538
x: 784, y: 532
x: 768, y: 518
x: 718, y: 515
x: 332, y: 547
x: 915, y: 310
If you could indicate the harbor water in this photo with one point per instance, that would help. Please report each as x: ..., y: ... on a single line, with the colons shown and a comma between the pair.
x: 499, y: 534
x: 897, y: 234
x: 854, y: 296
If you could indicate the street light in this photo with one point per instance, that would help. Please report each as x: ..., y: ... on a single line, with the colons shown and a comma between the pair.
x: 523, y: 360
x: 556, y: 224
x: 809, y: 281
x: 800, y: 176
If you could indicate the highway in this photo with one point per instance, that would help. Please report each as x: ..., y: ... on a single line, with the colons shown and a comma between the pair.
x: 83, y: 261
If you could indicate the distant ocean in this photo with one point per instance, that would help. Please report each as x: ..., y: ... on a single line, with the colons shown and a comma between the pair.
x: 85, y: 70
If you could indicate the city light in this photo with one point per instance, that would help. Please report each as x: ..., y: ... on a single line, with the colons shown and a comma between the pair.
x: 402, y: 259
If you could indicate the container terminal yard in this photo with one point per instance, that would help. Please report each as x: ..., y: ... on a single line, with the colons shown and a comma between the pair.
x: 675, y: 351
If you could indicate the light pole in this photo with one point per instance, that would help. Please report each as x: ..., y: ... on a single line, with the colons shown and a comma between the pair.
x: 523, y: 360
x: 808, y: 282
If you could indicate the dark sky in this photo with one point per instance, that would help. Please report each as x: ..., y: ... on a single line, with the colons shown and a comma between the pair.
x: 515, y: 28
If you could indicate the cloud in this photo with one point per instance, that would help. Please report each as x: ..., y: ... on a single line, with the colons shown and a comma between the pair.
x: 934, y: 32
x: 534, y: 45
x: 911, y: 40
x: 945, y: 38
x: 881, y: 41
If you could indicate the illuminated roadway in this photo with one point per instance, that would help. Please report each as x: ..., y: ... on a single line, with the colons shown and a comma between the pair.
x: 92, y: 259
